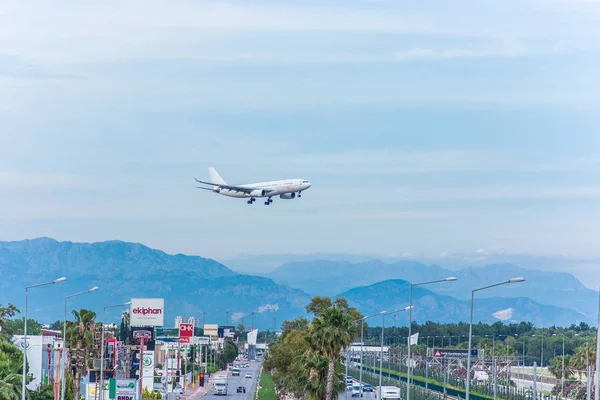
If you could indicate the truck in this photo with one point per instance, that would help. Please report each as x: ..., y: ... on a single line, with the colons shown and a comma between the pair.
x: 220, y: 385
x: 388, y: 392
x: 235, y: 371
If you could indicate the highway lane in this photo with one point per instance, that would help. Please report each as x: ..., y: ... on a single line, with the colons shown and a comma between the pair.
x: 234, y: 381
x: 348, y: 396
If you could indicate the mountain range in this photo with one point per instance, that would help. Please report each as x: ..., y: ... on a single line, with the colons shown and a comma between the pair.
x: 392, y: 295
x: 553, y: 288
x: 204, y: 288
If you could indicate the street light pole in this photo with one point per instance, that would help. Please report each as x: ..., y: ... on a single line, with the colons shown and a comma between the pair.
x: 64, y: 368
x: 383, y: 314
x: 381, y: 355
x: 562, y: 379
x: 102, y: 348
x: 24, y: 383
x: 513, y: 280
x: 449, y: 279
x: 597, y: 390
x: 361, y: 346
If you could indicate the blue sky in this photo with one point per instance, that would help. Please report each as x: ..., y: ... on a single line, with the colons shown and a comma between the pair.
x: 425, y: 127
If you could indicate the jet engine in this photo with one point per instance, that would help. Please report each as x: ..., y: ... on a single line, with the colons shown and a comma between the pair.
x: 287, y: 195
x: 257, y: 193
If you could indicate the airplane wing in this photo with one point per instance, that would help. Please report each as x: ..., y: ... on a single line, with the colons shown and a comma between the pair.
x: 231, y: 187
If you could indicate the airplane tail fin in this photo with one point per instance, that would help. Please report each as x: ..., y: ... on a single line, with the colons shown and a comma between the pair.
x: 215, y: 177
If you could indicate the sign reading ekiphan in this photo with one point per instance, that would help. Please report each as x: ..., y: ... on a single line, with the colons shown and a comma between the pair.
x: 147, y: 312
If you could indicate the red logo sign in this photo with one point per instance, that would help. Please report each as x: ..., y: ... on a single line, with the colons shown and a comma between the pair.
x: 147, y: 310
x: 186, y: 332
x: 437, y: 353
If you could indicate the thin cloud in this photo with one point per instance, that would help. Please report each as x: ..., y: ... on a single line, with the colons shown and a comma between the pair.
x: 20, y: 180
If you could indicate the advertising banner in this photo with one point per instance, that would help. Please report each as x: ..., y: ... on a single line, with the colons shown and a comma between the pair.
x: 201, y: 340
x: 148, y: 370
x: 167, y: 333
x: 186, y: 332
x: 211, y: 330
x: 125, y: 389
x: 147, y: 332
x: 147, y: 312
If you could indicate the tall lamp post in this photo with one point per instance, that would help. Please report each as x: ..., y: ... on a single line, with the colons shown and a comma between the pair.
x: 64, y: 368
x: 597, y: 389
x: 512, y: 280
x: 562, y: 377
x: 24, y: 383
x: 381, y: 348
x: 102, y: 348
x: 449, y: 279
x: 362, y: 329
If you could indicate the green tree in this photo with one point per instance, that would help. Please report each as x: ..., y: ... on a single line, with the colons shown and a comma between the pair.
x: 11, y: 362
x: 80, y: 340
x: 57, y: 325
x: 124, y: 328
x: 17, y: 326
x: 298, y: 324
x: 6, y: 314
x: 230, y: 352
x: 46, y: 392
x: 331, y: 332
x: 556, y: 367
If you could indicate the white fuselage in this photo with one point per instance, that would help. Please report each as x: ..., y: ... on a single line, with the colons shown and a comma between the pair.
x: 273, y: 188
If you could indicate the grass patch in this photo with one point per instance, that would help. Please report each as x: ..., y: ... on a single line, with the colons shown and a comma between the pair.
x: 267, y: 391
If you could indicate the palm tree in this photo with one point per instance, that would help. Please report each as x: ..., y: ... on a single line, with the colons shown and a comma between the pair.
x: 331, y: 332
x: 80, y: 340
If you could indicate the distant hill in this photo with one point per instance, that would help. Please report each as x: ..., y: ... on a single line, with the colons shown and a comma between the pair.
x: 333, y: 277
x: 189, y: 284
x: 192, y: 285
x: 393, y: 295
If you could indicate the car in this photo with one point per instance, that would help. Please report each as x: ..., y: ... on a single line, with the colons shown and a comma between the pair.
x: 241, y: 389
x: 248, y: 375
x: 367, y: 388
x: 348, y: 386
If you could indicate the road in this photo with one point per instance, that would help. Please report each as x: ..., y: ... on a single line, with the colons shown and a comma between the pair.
x: 348, y: 396
x: 234, y: 381
x: 529, y: 384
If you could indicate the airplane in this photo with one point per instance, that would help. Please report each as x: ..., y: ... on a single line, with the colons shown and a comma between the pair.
x: 285, y: 189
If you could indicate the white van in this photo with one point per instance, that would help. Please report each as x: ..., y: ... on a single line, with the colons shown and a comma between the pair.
x: 356, y: 392
x: 388, y: 392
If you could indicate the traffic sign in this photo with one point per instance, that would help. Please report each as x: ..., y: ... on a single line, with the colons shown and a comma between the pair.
x: 454, y: 353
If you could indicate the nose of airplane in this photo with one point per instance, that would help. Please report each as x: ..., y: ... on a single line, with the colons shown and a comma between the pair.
x: 308, y: 184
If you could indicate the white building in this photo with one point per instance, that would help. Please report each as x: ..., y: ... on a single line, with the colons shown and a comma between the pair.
x: 41, y: 355
x: 178, y: 320
x: 193, y: 321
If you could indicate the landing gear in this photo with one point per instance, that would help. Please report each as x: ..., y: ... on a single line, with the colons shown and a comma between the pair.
x: 269, y: 201
x: 299, y: 194
x: 252, y: 200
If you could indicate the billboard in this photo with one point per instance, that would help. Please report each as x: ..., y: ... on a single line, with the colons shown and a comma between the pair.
x: 147, y: 312
x: 211, y: 330
x: 186, y: 332
x: 201, y: 340
x: 167, y: 334
x: 146, y: 332
x: 252, y: 337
